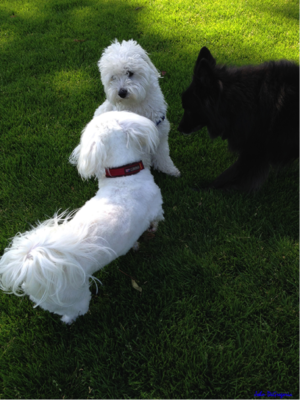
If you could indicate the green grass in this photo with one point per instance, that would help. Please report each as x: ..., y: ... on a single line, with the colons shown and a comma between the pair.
x: 219, y: 312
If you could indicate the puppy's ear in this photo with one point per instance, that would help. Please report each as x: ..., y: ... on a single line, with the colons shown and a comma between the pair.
x: 205, y: 54
x: 142, y: 133
x: 204, y: 74
x: 90, y: 154
x: 146, y: 58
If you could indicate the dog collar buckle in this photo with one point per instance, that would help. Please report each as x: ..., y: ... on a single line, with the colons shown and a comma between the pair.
x: 125, y: 170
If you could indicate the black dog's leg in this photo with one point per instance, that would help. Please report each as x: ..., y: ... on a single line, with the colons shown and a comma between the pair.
x: 247, y: 173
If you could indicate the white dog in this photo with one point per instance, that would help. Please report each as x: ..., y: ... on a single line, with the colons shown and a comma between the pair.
x: 53, y: 263
x: 130, y: 83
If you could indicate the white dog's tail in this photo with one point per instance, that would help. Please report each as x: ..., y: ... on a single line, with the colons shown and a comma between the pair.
x: 44, y: 261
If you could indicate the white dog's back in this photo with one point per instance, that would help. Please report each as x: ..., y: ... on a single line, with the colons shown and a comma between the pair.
x: 122, y: 210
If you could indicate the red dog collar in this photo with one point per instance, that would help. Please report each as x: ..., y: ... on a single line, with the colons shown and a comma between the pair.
x: 125, y: 170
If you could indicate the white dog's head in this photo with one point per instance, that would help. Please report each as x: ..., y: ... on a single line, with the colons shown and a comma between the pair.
x: 114, y: 139
x: 127, y: 73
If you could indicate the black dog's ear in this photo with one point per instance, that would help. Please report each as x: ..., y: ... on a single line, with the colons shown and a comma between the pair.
x: 204, y: 74
x: 205, y: 54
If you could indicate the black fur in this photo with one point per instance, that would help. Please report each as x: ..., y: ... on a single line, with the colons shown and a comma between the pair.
x: 256, y: 108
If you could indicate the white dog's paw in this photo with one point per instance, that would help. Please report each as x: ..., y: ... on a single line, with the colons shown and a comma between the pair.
x: 136, y: 246
x: 153, y: 227
x: 175, y: 173
x: 67, y: 320
x: 165, y: 164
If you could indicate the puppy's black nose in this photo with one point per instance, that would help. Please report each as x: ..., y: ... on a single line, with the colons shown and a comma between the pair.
x: 122, y: 93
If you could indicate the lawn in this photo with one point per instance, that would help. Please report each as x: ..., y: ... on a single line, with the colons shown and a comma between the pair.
x: 218, y: 315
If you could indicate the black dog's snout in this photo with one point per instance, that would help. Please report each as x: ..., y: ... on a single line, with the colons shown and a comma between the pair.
x: 122, y: 93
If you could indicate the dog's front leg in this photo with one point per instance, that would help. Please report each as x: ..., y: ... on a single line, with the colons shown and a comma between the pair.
x: 161, y: 160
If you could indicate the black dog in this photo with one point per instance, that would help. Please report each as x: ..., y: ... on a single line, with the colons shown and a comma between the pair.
x: 256, y: 108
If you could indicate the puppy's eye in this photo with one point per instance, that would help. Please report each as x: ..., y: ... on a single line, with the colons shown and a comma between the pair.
x: 113, y: 78
x: 129, y: 73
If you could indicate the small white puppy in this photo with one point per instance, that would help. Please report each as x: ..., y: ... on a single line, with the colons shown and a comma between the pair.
x: 54, y: 262
x: 130, y: 83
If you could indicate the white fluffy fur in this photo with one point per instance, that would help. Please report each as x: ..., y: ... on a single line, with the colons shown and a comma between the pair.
x: 144, y: 96
x: 53, y: 263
